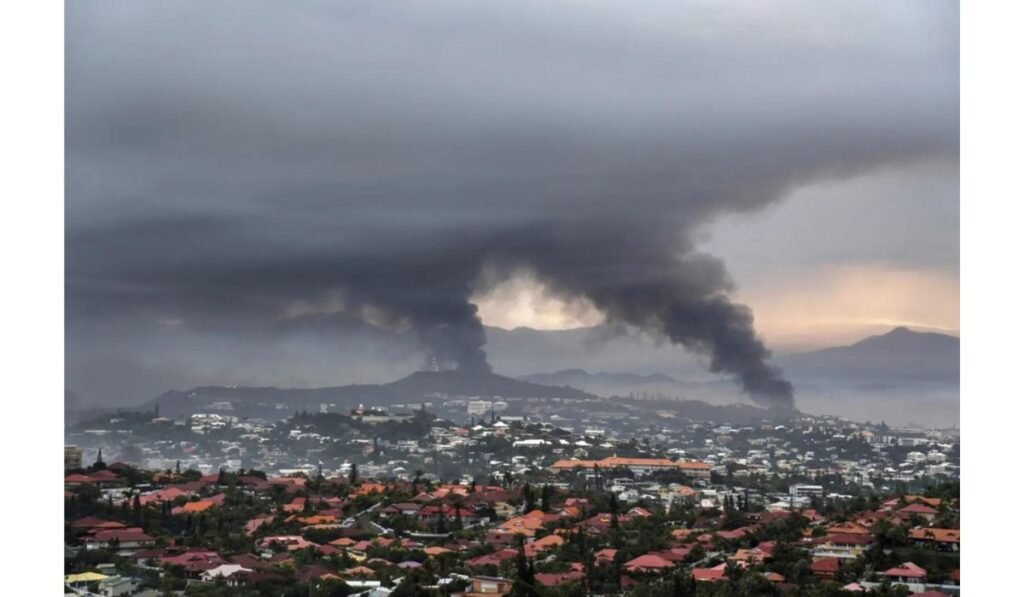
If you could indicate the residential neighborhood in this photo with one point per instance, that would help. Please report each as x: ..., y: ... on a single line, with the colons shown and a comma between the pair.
x: 414, y: 504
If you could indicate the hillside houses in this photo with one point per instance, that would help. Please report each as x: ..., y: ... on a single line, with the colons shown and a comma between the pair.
x: 345, y: 501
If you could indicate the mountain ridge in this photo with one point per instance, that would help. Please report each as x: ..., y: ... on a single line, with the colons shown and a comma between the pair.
x: 892, y: 369
x: 899, y: 354
x: 416, y: 387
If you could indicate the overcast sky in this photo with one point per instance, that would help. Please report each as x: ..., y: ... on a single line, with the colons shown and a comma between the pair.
x: 233, y: 164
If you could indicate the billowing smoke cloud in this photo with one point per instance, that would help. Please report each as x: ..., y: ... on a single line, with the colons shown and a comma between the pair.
x: 227, y: 161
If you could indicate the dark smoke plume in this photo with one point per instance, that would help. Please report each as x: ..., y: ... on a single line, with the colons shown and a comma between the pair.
x: 232, y: 164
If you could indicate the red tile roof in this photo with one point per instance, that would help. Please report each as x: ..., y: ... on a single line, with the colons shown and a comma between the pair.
x: 648, y: 562
x: 709, y: 574
x: 126, y: 535
x: 90, y: 522
x: 826, y: 565
x: 935, y: 534
x: 848, y: 539
x: 558, y: 578
x: 194, y: 560
x: 734, y: 534
x: 916, y: 508
x: 104, y: 475
x: 255, y: 523
x: 906, y: 570
x: 495, y: 558
x: 768, y: 547
x: 849, y: 528
x: 675, y: 554
x: 619, y: 461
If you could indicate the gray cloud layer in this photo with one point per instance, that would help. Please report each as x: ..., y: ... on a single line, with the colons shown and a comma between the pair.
x: 226, y: 160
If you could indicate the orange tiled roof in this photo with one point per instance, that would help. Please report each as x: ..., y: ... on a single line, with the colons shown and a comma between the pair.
x: 549, y: 541
x: 906, y: 570
x: 613, y: 461
x: 939, y: 535
x: 709, y: 574
x: 200, y: 506
x: 368, y: 488
x: 774, y: 577
x: 619, y: 461
x: 848, y: 528
x: 571, y: 464
x: 522, y: 524
x: 748, y: 555
x: 648, y: 562
x: 918, y: 508
x: 911, y: 499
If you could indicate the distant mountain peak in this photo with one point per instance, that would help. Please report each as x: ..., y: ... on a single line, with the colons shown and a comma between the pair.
x: 903, y: 336
x: 900, y: 353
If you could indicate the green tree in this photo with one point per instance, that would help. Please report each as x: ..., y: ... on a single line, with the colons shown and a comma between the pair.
x: 545, y: 498
x: 137, y: 510
x: 524, y: 584
x: 529, y: 501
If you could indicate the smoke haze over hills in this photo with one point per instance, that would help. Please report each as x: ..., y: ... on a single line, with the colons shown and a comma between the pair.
x: 902, y: 376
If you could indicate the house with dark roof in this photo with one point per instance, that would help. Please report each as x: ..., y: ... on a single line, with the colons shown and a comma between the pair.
x: 403, y: 508
x: 315, y: 572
